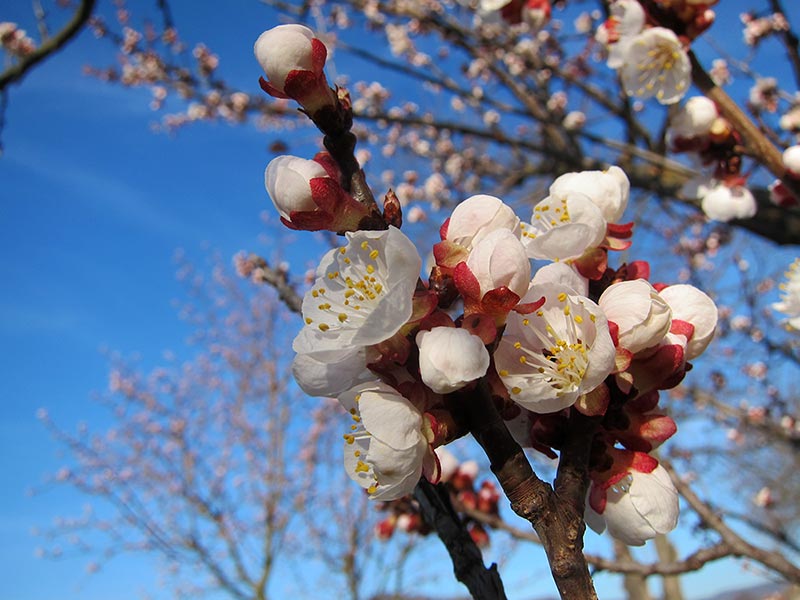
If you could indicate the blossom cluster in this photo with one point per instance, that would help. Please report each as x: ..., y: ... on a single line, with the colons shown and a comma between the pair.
x: 401, y: 351
x: 15, y: 41
x: 698, y: 128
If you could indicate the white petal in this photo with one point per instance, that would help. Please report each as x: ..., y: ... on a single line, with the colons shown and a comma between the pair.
x: 500, y: 260
x: 363, y: 292
x: 332, y: 372
x: 561, y: 274
x: 283, y: 49
x: 656, y: 499
x: 642, y: 315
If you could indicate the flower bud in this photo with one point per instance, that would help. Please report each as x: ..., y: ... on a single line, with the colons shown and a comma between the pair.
x: 723, y: 203
x: 450, y: 358
x: 695, y: 118
x: 638, y: 507
x: 478, y: 216
x: 287, y: 180
x: 791, y: 160
x: 643, y: 317
x: 693, y: 306
x: 293, y: 59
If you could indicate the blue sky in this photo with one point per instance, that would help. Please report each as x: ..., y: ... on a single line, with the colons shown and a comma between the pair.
x: 94, y: 205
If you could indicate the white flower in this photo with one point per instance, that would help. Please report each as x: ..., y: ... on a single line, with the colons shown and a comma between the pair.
x: 723, y: 203
x: 386, y: 446
x: 656, y: 65
x: 478, y: 216
x: 287, y: 179
x: 694, y: 119
x: 791, y: 160
x: 450, y: 358
x: 638, y: 507
x: 549, y: 358
x: 499, y: 260
x: 363, y: 292
x: 790, y: 297
x: 689, y: 304
x: 284, y: 49
x: 608, y: 189
x: 642, y: 315
x: 563, y: 227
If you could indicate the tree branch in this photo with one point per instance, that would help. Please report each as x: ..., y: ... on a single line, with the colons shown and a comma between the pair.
x: 738, y: 547
x: 438, y: 512
x: 559, y: 526
x: 18, y: 71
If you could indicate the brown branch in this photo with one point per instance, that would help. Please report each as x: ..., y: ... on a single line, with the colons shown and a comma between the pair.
x: 280, y: 282
x: 559, y: 526
x: 18, y: 71
x: 438, y: 512
x: 737, y: 546
x: 693, y: 562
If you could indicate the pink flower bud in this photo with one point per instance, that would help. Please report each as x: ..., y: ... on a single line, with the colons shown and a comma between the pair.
x: 287, y: 180
x: 476, y: 217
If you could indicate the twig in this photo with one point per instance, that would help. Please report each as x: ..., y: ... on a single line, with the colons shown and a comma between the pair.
x: 738, y: 547
x: 17, y: 71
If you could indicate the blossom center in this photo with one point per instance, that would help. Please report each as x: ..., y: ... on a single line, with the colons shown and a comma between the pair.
x: 547, y: 216
x: 355, y: 286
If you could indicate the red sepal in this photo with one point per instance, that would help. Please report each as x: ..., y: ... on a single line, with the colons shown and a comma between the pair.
x: 319, y: 54
x: 271, y: 89
x: 527, y: 308
x: 639, y: 269
x: 466, y: 282
x: 299, y: 83
x: 683, y: 328
x: 443, y: 228
x: 620, y: 230
x: 593, y: 263
x: 481, y: 326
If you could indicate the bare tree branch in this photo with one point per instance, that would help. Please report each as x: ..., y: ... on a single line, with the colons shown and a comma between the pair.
x: 53, y: 44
